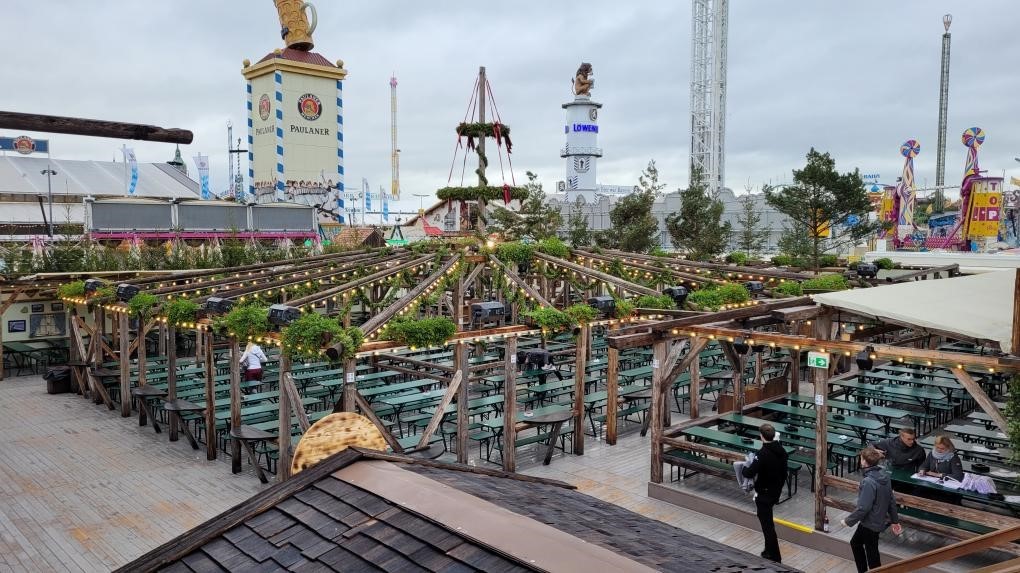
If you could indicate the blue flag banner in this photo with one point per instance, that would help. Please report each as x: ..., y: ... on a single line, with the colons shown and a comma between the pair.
x: 24, y: 145
x: 385, y: 207
x: 202, y: 163
x: 132, y: 162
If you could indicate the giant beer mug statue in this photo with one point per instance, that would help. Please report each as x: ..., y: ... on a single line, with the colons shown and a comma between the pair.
x: 295, y: 28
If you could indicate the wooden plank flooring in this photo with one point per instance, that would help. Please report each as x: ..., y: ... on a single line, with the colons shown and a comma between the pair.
x: 82, y: 489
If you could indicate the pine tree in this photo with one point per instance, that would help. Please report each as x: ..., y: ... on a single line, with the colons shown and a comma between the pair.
x: 634, y: 228
x: 579, y: 233
x: 697, y: 229
x: 822, y: 199
x: 536, y: 218
x: 751, y: 237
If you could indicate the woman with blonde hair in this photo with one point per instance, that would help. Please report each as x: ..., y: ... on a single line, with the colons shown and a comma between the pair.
x: 252, y: 360
x: 943, y: 461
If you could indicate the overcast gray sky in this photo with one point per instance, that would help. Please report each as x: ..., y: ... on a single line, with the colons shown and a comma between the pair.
x: 853, y: 78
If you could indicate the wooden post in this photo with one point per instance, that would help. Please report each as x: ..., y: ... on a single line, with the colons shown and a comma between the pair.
x: 100, y: 314
x: 125, y: 365
x: 200, y: 345
x: 658, y: 402
x: 795, y: 371
x: 210, y: 395
x: 140, y: 343
x: 161, y: 343
x: 283, y: 436
x: 458, y: 301
x: 695, y: 388
x: 1016, y: 314
x: 510, y: 406
x: 580, y: 369
x: 483, y: 84
x: 612, y: 394
x: 235, y: 405
x: 350, y: 387
x: 171, y: 376
x: 821, y: 449
x: 461, y: 363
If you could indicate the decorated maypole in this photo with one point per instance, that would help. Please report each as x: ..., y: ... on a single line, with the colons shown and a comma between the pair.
x: 905, y: 196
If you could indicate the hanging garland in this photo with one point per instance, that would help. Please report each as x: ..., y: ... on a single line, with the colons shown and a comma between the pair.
x: 499, y: 131
x: 487, y: 193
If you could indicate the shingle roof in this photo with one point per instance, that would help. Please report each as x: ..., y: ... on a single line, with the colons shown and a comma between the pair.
x: 337, y: 516
x: 300, y: 56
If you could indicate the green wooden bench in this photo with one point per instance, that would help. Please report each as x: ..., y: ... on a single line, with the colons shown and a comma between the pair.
x: 692, y: 463
x: 946, y: 520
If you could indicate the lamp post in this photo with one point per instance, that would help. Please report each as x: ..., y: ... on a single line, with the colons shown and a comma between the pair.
x: 421, y: 201
x: 49, y: 194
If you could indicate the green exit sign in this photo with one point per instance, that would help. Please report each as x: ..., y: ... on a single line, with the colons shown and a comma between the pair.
x: 818, y: 360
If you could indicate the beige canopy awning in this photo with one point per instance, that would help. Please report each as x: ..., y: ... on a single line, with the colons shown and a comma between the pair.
x: 978, y: 307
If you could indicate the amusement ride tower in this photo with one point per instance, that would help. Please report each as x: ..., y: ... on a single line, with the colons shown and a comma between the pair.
x: 709, y: 30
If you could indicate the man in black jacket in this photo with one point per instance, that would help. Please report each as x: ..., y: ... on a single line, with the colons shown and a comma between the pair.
x: 769, y: 472
x: 903, y: 451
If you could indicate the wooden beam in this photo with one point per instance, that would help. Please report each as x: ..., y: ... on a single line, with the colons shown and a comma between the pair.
x: 697, y: 343
x: 923, y: 273
x: 727, y: 268
x: 437, y: 416
x: 950, y: 552
x: 978, y: 393
x: 605, y: 277
x: 92, y: 127
x: 510, y: 406
x: 517, y: 280
x: 358, y: 283
x: 648, y: 268
x: 368, y: 412
x: 689, y: 446
x: 806, y: 312
x: 294, y: 397
x: 376, y: 322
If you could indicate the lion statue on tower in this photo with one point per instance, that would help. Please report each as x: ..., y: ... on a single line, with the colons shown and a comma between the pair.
x: 582, y: 83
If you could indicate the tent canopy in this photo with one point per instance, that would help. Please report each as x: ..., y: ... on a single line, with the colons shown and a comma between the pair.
x: 976, y: 307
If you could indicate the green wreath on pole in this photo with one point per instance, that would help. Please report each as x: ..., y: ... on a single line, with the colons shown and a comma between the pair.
x: 488, y: 193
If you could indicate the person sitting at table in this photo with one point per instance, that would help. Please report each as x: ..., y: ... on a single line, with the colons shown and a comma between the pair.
x: 901, y: 452
x: 943, y: 461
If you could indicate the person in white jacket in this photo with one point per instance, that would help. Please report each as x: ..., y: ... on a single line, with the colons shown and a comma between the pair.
x: 252, y: 360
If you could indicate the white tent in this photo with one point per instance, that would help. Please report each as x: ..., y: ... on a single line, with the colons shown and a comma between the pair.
x: 978, y: 306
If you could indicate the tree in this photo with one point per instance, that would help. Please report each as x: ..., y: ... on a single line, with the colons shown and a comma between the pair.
x: 751, y: 237
x: 579, y: 233
x: 634, y: 228
x: 822, y: 199
x: 536, y: 217
x: 697, y: 229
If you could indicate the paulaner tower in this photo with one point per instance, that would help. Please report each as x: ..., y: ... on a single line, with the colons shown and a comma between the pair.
x: 295, y: 116
x: 582, y: 131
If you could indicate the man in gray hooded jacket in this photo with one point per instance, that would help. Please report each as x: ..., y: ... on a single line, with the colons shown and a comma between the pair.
x: 876, y: 509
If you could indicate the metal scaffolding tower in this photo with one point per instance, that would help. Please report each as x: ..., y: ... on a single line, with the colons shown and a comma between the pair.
x: 940, y: 152
x: 709, y: 28
x: 394, y: 151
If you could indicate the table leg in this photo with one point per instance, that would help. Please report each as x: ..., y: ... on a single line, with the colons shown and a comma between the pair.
x: 254, y: 461
x: 187, y: 431
x: 553, y: 436
x: 645, y: 422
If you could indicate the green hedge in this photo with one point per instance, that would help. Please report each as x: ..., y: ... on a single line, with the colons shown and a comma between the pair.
x: 885, y: 263
x: 825, y: 282
x: 581, y: 313
x: 715, y: 296
x: 308, y: 335
x: 514, y: 252
x: 247, y: 321
x: 180, y: 311
x: 736, y: 257
x: 790, y: 288
x: 554, y: 247
x: 74, y: 289
x: 420, y: 333
x: 662, y: 302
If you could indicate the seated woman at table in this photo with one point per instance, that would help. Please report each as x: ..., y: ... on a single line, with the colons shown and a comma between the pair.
x: 942, y: 460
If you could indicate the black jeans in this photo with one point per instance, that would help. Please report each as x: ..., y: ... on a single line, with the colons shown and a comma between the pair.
x: 764, y: 506
x: 864, y: 544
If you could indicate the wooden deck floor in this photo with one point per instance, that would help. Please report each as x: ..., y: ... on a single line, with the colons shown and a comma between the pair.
x: 82, y: 489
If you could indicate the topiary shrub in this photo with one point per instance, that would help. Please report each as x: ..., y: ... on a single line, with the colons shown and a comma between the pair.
x: 828, y: 260
x: 247, y: 321
x: 736, y: 257
x: 714, y: 297
x: 885, y: 263
x: 581, y: 313
x: 423, y: 333
x: 825, y: 283
x: 141, y: 305
x: 553, y: 247
x: 74, y: 289
x: 623, y: 308
x: 791, y: 288
x: 515, y: 252
x: 782, y: 260
x: 550, y: 320
x: 307, y: 336
x: 661, y: 302
x: 180, y: 311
